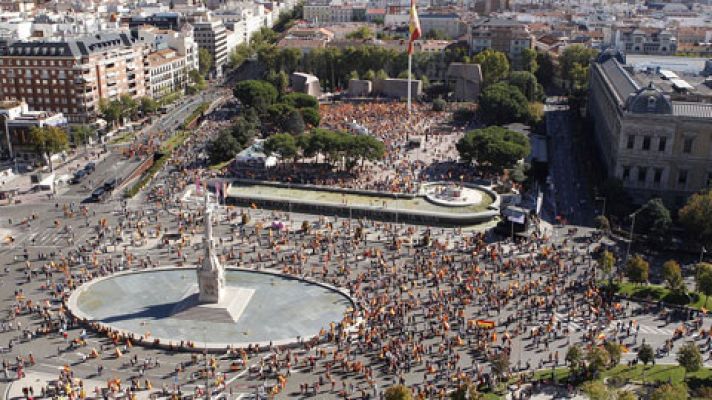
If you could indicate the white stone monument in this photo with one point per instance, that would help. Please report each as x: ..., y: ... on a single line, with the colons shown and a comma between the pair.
x: 211, y: 275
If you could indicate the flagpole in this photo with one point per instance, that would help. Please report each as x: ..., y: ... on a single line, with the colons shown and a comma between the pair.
x: 410, y: 84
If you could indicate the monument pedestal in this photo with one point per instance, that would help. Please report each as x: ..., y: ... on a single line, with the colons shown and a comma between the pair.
x: 228, y: 310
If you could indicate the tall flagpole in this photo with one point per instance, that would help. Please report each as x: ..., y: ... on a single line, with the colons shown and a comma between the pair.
x: 410, y: 84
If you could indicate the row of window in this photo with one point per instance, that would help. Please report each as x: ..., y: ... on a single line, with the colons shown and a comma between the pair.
x: 38, y: 91
x: 646, y: 145
x: 657, y: 175
x: 50, y: 63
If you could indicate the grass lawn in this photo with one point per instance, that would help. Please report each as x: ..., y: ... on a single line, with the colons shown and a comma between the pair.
x: 124, y: 138
x: 658, y: 292
x: 219, y: 166
x: 175, y: 141
x: 657, y: 373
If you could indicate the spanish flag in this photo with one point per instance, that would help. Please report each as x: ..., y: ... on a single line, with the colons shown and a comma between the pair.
x: 485, y: 324
x: 414, y: 27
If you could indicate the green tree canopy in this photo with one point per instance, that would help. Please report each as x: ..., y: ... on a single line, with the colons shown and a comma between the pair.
x: 398, y: 392
x: 606, y: 262
x: 638, y: 269
x: 668, y: 391
x: 300, y: 100
x: 654, y: 219
x: 646, y: 354
x: 672, y: 274
x: 614, y: 352
x: 696, y: 216
x: 256, y: 94
x: 205, y: 61
x: 283, y: 144
x: 598, y: 359
x: 689, y: 357
x: 224, y: 147
x: 81, y: 134
x: 703, y: 279
x: 148, y: 105
x: 49, y: 140
x: 574, y: 356
x: 311, y: 116
x: 495, y: 146
x: 280, y: 80
x: 527, y: 83
x: 574, y: 62
x: 363, y: 32
x: 502, y: 103
x: 494, y: 65
x: 528, y: 61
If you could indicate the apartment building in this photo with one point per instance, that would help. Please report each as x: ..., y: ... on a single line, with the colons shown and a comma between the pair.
x: 211, y: 35
x: 72, y: 76
x: 652, y: 128
x: 166, y: 72
x: 506, y: 35
x: 16, y: 121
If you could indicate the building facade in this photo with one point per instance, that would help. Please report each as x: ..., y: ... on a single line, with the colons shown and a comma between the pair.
x: 655, y: 145
x: 646, y: 41
x: 211, y: 36
x: 73, y: 76
x: 505, y: 35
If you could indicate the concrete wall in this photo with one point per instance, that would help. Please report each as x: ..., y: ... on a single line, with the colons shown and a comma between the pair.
x: 359, y: 88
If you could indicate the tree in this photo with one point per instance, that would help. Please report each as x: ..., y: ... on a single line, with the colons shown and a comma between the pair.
x: 548, y: 69
x: 602, y: 223
x: 626, y: 395
x: 197, y: 79
x: 148, y: 105
x: 574, y: 61
x: 696, y: 216
x: 463, y: 115
x: 574, y: 356
x: 81, y: 134
x: 598, y: 359
x: 528, y: 61
x: 466, y: 391
x: 311, y: 116
x: 672, y: 275
x: 527, y: 83
x: 398, y: 392
x: 283, y: 144
x: 689, y: 357
x: 606, y: 262
x: 617, y: 198
x: 289, y: 59
x: 128, y: 105
x: 500, y: 364
x: 280, y: 80
x: 654, y: 220
x: 111, y: 111
x: 494, y: 146
x: 645, y: 354
x: 48, y: 140
x: 596, y: 390
x: 239, y: 55
x: 256, y: 94
x: 614, y: 352
x: 703, y: 279
x: 363, y: 33
x: 668, y: 391
x: 638, y: 269
x: 494, y: 65
x: 224, y: 147
x: 205, y: 61
x: 439, y: 104
x: 300, y: 100
x: 502, y: 103
x: 381, y: 75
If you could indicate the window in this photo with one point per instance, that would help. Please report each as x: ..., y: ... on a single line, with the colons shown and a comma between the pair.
x: 682, y: 177
x: 658, y: 175
x: 642, y: 174
x: 687, y: 145
x: 662, y: 143
x: 626, y: 173
x: 631, y: 142
x: 646, y: 142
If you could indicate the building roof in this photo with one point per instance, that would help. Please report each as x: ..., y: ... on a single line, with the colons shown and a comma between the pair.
x: 619, y: 79
x: 692, y: 109
x: 70, y: 48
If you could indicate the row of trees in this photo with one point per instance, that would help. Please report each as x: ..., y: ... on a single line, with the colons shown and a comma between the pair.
x: 335, y: 147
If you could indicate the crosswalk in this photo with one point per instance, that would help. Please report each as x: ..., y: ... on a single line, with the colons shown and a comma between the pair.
x: 647, y: 330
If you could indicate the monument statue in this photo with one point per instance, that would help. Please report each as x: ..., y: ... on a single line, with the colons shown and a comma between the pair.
x: 211, y: 275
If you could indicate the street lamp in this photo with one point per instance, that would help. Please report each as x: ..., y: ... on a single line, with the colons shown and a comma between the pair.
x: 630, y: 238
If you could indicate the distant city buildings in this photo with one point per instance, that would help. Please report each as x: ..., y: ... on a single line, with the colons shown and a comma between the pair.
x: 506, y: 35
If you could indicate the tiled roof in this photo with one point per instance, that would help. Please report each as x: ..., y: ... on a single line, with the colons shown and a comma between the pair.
x: 694, y: 110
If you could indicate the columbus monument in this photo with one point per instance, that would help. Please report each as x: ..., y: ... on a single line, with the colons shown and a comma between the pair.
x: 211, y: 274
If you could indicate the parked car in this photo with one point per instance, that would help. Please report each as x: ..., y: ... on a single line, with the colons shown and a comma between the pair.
x: 79, y: 176
x: 111, y: 184
x: 90, y: 167
x: 99, y: 194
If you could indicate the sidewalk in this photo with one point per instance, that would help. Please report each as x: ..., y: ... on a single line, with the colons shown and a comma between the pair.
x: 38, y: 379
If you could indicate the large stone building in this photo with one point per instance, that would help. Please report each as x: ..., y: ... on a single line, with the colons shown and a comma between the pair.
x: 506, y: 35
x: 637, y: 40
x: 652, y: 127
x: 72, y: 76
